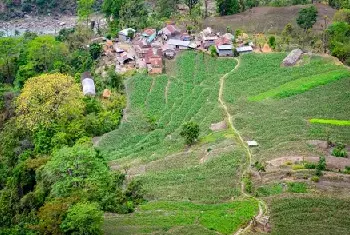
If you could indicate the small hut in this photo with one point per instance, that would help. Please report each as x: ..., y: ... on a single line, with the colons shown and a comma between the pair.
x: 88, y: 84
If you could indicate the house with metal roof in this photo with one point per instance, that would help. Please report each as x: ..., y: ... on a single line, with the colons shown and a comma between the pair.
x: 224, y: 47
x: 169, y: 31
x: 244, y: 49
x: 179, y: 44
x: 149, y: 35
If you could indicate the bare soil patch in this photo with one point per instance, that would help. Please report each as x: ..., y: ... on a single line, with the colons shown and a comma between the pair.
x: 218, y: 126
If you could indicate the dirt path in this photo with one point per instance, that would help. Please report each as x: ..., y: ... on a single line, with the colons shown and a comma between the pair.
x: 262, y: 205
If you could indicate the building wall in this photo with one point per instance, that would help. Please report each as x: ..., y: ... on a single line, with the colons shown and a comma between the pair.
x: 225, y: 53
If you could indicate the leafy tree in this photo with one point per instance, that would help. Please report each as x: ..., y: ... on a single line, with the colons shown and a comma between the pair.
x: 52, y: 214
x: 9, y: 53
x: 112, y: 8
x: 321, y: 166
x: 342, y: 15
x: 288, y: 33
x: 339, y: 40
x: 190, y: 131
x: 227, y: 7
x: 191, y: 4
x: 133, y: 13
x: 165, y: 8
x: 307, y: 17
x: 83, y: 218
x: 272, y: 42
x: 77, y: 170
x: 95, y: 50
x: 58, y: 101
x: 44, y: 51
x: 85, y: 9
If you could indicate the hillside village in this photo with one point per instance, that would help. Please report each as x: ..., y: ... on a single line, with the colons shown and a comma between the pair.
x: 146, y: 50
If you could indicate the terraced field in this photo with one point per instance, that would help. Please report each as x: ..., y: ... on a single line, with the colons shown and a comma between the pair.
x: 273, y: 104
x: 197, y: 190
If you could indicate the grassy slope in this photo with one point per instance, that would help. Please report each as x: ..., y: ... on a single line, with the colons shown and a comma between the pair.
x: 174, y: 182
x: 267, y: 19
x: 281, y: 125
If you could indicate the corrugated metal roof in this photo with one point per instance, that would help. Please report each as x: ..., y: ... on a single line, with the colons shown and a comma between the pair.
x: 225, y: 47
x: 177, y: 42
x: 244, y: 49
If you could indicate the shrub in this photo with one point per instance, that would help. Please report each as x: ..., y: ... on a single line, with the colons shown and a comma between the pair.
x: 347, y: 170
x: 259, y: 166
x: 212, y: 51
x: 315, y: 178
x: 339, y: 150
x: 272, y: 42
x: 309, y: 165
x: 298, y: 167
x: 190, y: 131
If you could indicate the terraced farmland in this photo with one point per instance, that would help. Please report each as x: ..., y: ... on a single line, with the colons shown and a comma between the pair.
x: 197, y: 190
x: 273, y: 104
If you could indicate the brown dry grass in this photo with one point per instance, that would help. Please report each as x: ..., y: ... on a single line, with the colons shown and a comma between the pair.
x: 266, y: 19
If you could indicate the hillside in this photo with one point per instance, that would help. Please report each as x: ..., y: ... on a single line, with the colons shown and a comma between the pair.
x: 267, y: 19
x: 191, y: 190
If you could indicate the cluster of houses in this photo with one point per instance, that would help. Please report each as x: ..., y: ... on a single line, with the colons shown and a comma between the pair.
x: 147, y: 49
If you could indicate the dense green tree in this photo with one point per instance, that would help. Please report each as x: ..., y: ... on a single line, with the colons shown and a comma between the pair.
x: 227, y: 7
x: 9, y: 53
x: 44, y: 51
x: 59, y: 101
x: 85, y: 9
x: 342, y: 15
x: 111, y: 8
x: 83, y: 218
x: 77, y: 170
x: 95, y: 50
x: 165, y: 8
x: 339, y: 40
x: 191, y: 4
x: 307, y: 17
x: 190, y: 131
x: 133, y: 14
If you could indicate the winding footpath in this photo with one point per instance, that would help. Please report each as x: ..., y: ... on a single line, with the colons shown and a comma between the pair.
x: 262, y: 204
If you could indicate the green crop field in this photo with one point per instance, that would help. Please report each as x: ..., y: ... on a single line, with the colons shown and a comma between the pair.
x: 317, y: 89
x: 163, y: 215
x: 310, y: 215
x: 197, y: 190
x: 331, y: 122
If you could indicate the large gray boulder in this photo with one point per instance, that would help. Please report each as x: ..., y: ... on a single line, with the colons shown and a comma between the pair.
x: 292, y: 58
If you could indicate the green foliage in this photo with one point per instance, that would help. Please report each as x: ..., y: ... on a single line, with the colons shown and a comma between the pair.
x: 309, y: 165
x: 59, y: 101
x: 321, y: 166
x: 44, y: 51
x: 339, y: 150
x: 190, y: 131
x: 83, y: 218
x: 133, y: 14
x: 95, y: 50
x: 302, y: 85
x: 315, y: 178
x: 343, y: 15
x: 227, y: 7
x: 85, y: 9
x: 248, y: 183
x: 286, y: 212
x: 212, y: 50
x: 330, y: 122
x: 224, y: 218
x: 259, y: 166
x: 272, y: 42
x: 339, y: 40
x: 297, y: 187
x: 338, y: 4
x: 307, y: 17
x: 269, y: 190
